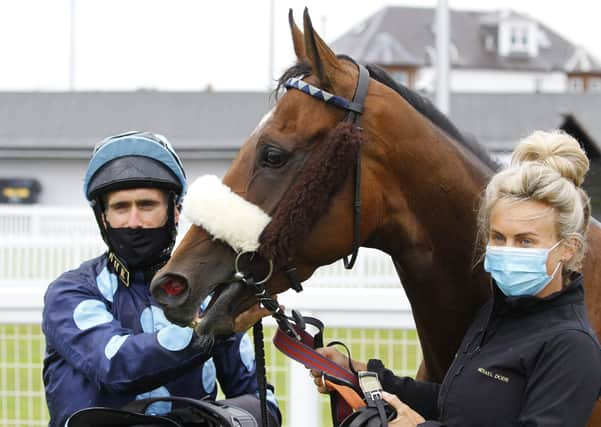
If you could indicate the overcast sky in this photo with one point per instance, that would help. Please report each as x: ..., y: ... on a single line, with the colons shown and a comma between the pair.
x: 190, y: 44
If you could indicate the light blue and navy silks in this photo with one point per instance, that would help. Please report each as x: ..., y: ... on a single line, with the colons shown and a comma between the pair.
x: 108, y: 344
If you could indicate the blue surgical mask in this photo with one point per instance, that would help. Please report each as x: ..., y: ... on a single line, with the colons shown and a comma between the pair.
x: 519, y: 271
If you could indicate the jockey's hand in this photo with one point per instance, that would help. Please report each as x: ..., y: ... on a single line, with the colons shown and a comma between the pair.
x: 338, y: 358
x: 405, y: 416
x: 248, y: 318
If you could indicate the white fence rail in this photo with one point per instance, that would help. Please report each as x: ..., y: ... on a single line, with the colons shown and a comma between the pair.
x: 38, y: 243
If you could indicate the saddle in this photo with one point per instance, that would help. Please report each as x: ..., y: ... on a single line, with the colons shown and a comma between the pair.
x: 366, y: 417
x: 195, y: 413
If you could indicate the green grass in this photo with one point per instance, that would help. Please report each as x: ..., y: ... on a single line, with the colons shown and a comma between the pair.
x: 22, y: 400
x: 21, y: 387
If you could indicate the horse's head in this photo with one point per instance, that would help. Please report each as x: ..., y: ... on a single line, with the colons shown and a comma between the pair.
x: 292, y: 194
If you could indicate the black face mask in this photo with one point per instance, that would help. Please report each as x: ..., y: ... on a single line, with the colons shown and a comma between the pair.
x: 140, y: 248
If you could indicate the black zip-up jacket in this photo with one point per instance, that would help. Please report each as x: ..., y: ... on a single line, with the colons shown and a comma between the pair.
x: 524, y: 361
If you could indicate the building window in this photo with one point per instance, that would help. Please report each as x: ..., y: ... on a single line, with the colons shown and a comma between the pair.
x: 575, y: 85
x: 519, y: 38
x: 594, y: 84
x: 489, y: 43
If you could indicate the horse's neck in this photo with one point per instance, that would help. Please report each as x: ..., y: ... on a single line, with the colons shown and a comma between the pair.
x: 430, y: 234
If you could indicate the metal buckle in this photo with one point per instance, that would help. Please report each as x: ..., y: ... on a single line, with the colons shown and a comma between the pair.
x: 241, y: 273
x: 371, y: 387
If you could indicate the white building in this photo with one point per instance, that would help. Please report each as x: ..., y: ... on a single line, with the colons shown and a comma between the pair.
x: 498, y: 52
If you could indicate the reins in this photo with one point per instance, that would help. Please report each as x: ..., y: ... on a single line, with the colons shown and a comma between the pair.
x: 348, y: 407
x: 283, y: 321
x: 292, y: 339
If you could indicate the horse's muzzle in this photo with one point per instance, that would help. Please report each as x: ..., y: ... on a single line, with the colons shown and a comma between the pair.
x: 170, y: 290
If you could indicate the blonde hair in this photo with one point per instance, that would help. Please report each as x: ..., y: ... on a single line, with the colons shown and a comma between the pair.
x: 548, y: 167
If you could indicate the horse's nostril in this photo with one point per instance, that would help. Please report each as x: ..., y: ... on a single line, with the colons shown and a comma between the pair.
x: 174, y: 287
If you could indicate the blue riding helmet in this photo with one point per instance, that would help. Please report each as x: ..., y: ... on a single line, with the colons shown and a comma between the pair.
x: 134, y: 159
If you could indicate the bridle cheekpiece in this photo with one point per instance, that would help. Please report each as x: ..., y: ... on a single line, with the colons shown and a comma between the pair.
x: 355, y: 109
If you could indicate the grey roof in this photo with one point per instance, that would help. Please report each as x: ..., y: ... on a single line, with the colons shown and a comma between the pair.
x: 68, y: 124
x: 398, y: 35
x: 499, y: 120
x: 215, y: 125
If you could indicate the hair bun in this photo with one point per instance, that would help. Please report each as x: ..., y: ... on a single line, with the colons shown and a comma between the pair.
x: 555, y: 149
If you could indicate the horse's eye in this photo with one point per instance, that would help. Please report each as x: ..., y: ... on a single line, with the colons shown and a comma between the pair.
x: 273, y: 157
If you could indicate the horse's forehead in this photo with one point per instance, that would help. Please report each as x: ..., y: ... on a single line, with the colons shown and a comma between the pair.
x: 285, y: 117
x: 280, y: 116
x: 300, y: 113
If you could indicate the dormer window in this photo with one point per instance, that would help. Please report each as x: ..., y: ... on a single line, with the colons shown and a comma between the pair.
x: 519, y: 38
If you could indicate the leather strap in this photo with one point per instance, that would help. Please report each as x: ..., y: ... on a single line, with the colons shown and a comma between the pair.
x: 348, y: 394
x: 303, y: 351
x: 355, y: 117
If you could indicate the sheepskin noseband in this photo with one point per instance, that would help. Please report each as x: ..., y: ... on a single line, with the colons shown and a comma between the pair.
x: 213, y: 206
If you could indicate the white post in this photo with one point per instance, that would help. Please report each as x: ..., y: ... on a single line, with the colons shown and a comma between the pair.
x: 72, y: 46
x: 442, y: 56
x: 271, y: 45
x: 303, y: 398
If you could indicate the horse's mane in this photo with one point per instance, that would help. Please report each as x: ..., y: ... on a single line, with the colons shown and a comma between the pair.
x: 428, y: 110
x: 309, y: 196
x: 417, y: 101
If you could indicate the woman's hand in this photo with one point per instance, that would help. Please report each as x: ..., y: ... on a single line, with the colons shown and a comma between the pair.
x: 405, y: 416
x: 248, y: 318
x: 339, y: 359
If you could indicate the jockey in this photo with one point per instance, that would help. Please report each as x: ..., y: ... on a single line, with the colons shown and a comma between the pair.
x: 107, y: 341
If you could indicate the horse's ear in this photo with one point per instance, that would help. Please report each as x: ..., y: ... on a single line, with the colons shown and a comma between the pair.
x: 297, y: 39
x: 323, y: 60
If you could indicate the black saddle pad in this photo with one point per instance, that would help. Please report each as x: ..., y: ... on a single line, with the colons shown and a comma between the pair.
x: 107, y: 417
x: 237, y: 411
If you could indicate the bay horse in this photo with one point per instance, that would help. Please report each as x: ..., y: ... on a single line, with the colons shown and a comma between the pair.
x: 420, y: 186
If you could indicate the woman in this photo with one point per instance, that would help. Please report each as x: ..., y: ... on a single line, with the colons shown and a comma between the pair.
x: 530, y: 356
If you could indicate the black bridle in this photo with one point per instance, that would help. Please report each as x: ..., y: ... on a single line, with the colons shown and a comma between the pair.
x: 354, y: 116
x: 256, y: 280
x: 355, y: 109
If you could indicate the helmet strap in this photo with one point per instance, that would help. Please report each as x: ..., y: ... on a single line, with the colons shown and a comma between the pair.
x: 150, y: 271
